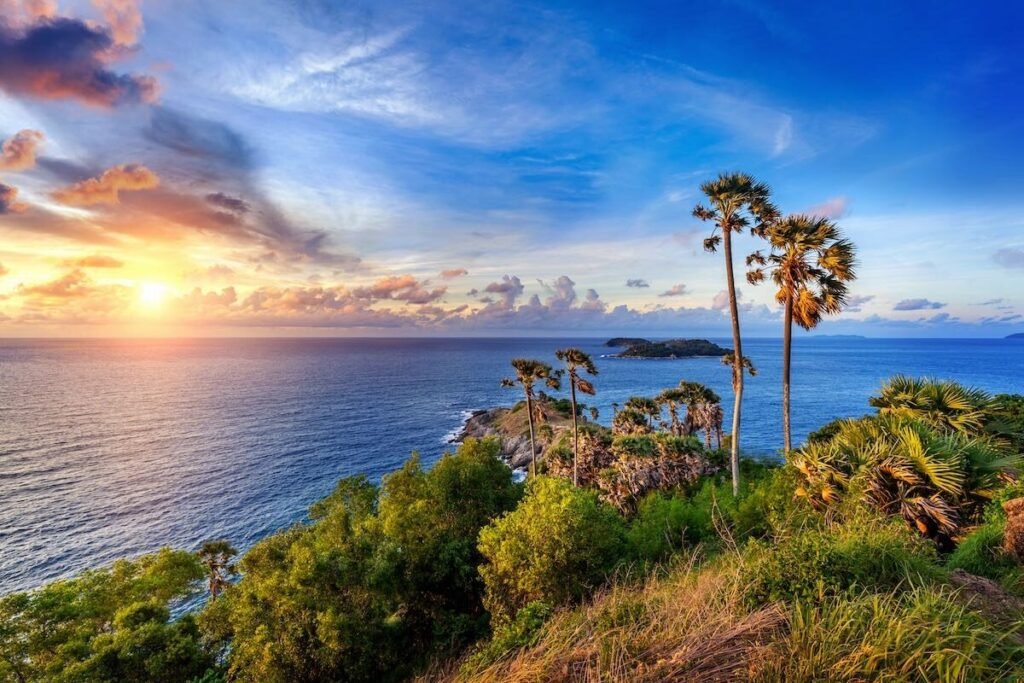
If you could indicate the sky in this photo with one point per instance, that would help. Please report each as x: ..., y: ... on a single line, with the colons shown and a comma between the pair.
x: 258, y: 168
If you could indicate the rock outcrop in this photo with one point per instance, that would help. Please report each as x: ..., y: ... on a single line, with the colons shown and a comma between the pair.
x: 1013, y: 535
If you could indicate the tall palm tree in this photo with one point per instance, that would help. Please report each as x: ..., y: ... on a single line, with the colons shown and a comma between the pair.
x: 216, y: 557
x: 736, y: 202
x: 703, y: 409
x: 576, y: 361
x: 528, y: 373
x: 810, y: 263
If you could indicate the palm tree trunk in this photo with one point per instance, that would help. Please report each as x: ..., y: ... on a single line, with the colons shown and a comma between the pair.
x: 533, y: 443
x: 575, y: 436
x: 737, y: 369
x: 787, y: 352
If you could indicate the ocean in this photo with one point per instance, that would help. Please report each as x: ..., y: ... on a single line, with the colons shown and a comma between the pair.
x: 111, y: 448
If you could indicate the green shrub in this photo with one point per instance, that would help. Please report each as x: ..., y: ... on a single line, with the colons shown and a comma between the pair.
x: 523, y: 631
x: 981, y: 552
x: 664, y: 523
x: 866, y: 555
x: 377, y: 584
x: 556, y: 546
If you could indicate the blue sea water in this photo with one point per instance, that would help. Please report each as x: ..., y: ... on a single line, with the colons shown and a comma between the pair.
x: 111, y: 448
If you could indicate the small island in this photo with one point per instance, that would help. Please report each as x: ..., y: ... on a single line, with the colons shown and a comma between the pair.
x: 671, y: 348
x: 1018, y: 335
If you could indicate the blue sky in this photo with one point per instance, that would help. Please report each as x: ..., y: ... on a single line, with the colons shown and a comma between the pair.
x: 333, y: 168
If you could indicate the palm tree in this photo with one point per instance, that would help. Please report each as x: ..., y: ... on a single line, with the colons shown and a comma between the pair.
x: 216, y: 557
x: 947, y: 406
x: 703, y: 409
x: 671, y: 399
x: 575, y: 361
x: 528, y: 373
x: 736, y: 202
x: 937, y: 481
x: 645, y: 406
x: 810, y: 263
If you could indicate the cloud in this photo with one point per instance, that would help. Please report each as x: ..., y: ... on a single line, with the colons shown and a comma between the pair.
x: 9, y: 200
x: 72, y: 285
x: 855, y: 302
x: 1009, y: 257
x: 63, y: 58
x: 400, y: 288
x: 508, y: 289
x: 637, y: 283
x: 3, y: 270
x: 675, y: 290
x: 721, y: 300
x: 22, y: 12
x: 94, y: 261
x: 105, y: 188
x: 834, y: 207
x: 124, y: 18
x: 453, y: 273
x: 232, y: 204
x: 917, y: 305
x: 19, y: 152
x: 989, y: 302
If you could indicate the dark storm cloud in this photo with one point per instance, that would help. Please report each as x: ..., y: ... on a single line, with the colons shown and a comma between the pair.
x: 65, y: 58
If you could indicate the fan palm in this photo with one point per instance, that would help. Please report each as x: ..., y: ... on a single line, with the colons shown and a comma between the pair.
x: 577, y: 361
x: 703, y: 409
x: 736, y: 202
x: 810, y: 263
x: 947, y: 406
x: 645, y: 406
x: 528, y: 373
x: 672, y: 399
x: 901, y: 466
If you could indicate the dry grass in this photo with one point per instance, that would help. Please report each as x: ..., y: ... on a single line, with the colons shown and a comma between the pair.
x: 677, y: 625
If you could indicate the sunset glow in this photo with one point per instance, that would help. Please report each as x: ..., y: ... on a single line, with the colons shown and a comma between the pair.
x: 333, y: 169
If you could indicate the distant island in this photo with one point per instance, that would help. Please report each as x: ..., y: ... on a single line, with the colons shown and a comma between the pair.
x: 1018, y: 335
x: 671, y: 348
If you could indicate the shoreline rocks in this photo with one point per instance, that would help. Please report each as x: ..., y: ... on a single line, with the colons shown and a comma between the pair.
x: 515, y: 450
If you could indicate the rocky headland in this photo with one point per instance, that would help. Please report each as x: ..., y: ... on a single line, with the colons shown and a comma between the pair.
x: 671, y: 348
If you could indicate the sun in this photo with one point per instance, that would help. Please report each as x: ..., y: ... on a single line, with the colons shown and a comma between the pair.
x: 152, y: 294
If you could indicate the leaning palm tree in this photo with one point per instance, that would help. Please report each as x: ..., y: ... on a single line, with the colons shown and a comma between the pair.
x: 736, y: 202
x: 528, y: 373
x: 216, y: 557
x: 575, y: 362
x: 810, y: 263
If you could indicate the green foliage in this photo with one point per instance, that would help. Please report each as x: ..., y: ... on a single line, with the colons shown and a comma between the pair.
x: 923, y: 634
x: 558, y: 544
x: 523, y: 631
x: 864, y: 554
x: 825, y: 432
x: 935, y: 480
x: 376, y: 584
x: 946, y: 406
x: 106, y: 625
x: 981, y: 552
x: 1007, y: 421
x: 667, y: 522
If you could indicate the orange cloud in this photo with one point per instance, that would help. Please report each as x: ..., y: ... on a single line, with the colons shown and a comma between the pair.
x: 9, y: 200
x: 94, y: 261
x: 124, y: 18
x: 105, y: 189
x: 19, y: 152
x: 454, y: 273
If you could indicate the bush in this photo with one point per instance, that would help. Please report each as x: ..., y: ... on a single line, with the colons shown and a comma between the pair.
x: 523, y: 631
x: 108, y: 624
x: 922, y: 634
x: 555, y: 547
x: 376, y: 584
x: 864, y: 554
x: 981, y: 552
